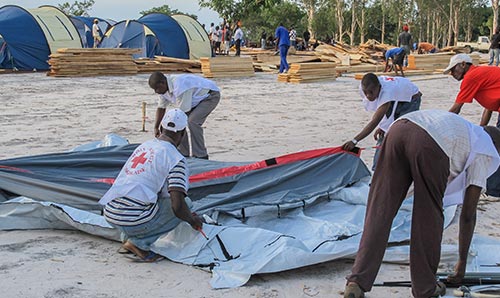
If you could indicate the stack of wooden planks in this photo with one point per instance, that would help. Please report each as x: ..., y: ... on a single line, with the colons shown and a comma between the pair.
x: 92, y: 62
x: 220, y: 67
x: 167, y: 64
x: 435, y: 61
x: 309, y: 72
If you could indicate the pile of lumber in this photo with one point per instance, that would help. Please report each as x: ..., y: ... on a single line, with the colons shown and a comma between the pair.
x: 437, y: 61
x: 167, y: 64
x: 220, y: 67
x: 92, y: 62
x: 309, y: 72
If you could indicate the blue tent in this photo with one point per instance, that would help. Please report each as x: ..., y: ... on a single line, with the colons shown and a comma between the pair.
x: 173, y: 42
x: 133, y: 35
x: 30, y: 36
x: 84, y: 27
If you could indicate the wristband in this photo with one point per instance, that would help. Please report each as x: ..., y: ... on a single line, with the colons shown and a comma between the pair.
x: 354, y: 141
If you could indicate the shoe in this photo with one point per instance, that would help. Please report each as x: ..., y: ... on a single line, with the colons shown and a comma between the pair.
x: 353, y: 290
x: 440, y: 290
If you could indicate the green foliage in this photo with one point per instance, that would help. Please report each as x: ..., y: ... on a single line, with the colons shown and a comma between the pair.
x: 78, y: 8
x: 165, y: 9
x: 269, y: 18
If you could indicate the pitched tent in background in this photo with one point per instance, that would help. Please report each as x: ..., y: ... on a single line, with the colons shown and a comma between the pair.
x: 84, y: 27
x: 173, y: 42
x: 197, y: 37
x: 31, y: 35
x: 132, y: 35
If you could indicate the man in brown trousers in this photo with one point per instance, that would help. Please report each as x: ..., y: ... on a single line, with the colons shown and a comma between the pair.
x: 448, y: 159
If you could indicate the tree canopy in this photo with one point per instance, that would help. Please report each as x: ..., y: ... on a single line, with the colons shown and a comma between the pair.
x: 441, y: 22
x: 78, y: 8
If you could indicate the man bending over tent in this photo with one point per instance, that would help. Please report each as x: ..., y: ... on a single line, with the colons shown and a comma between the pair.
x: 389, y: 98
x: 196, y: 96
x: 152, y: 184
x: 442, y: 154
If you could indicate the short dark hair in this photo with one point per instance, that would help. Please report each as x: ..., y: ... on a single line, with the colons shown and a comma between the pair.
x: 369, y: 81
x: 155, y: 78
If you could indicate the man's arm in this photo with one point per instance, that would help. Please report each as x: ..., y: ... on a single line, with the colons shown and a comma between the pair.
x: 160, y: 112
x: 377, y: 117
x: 455, y: 108
x: 181, y: 209
x: 467, y: 225
x: 386, y: 64
x: 485, y: 118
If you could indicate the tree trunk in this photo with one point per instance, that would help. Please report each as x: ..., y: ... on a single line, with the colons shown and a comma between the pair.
x: 340, y: 18
x: 362, y: 25
x: 450, y: 23
x: 353, y: 22
x: 382, y: 31
x: 494, y: 6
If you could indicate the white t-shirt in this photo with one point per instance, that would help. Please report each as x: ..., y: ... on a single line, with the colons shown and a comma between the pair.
x: 473, y: 157
x: 396, y: 89
x: 95, y: 31
x: 186, y: 91
x: 145, y: 172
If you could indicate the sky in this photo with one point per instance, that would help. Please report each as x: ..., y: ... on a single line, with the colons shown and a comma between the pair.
x: 129, y: 9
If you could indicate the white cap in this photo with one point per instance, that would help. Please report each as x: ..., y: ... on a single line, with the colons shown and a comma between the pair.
x: 174, y: 120
x: 457, y: 59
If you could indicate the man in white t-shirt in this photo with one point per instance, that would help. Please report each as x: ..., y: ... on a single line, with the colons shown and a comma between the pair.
x: 389, y: 98
x: 148, y: 197
x: 448, y: 160
x: 194, y: 95
x: 96, y: 33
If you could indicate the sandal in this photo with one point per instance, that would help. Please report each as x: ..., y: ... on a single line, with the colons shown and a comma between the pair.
x: 139, y: 254
x: 440, y: 290
x: 151, y: 257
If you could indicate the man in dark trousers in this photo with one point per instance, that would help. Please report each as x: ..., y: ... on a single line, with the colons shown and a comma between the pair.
x: 448, y: 160
x: 495, y: 48
x: 283, y: 41
x: 404, y: 41
x: 306, y: 36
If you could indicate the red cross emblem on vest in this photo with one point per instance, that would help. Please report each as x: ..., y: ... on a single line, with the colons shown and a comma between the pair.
x: 141, y: 159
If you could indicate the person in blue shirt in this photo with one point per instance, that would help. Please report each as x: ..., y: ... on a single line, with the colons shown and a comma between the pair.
x: 283, y: 41
x: 397, y: 56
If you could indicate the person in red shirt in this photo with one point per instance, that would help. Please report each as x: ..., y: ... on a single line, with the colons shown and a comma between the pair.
x: 481, y: 83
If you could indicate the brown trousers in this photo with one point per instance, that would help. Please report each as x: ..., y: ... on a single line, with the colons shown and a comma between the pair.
x: 408, y: 154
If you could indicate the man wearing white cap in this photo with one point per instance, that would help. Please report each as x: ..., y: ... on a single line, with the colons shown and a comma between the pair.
x: 96, y: 33
x: 194, y: 95
x: 148, y: 197
x: 478, y: 82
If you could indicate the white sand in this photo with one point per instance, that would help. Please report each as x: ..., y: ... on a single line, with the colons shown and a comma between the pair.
x: 257, y: 118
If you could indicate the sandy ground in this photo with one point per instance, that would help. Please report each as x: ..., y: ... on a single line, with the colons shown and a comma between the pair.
x: 257, y: 118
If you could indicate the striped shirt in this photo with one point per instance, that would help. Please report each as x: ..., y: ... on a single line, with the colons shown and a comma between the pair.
x: 125, y: 211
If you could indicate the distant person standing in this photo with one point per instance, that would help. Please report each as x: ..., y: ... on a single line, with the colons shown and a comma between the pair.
x: 217, y: 36
x: 227, y: 39
x: 293, y: 38
x: 96, y: 33
x: 404, y: 41
x: 238, y: 36
x: 211, y: 32
x: 306, y: 37
x: 283, y: 41
x: 263, y: 38
x: 495, y: 48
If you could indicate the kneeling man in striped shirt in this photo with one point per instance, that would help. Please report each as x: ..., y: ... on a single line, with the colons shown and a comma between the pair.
x: 148, y: 198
